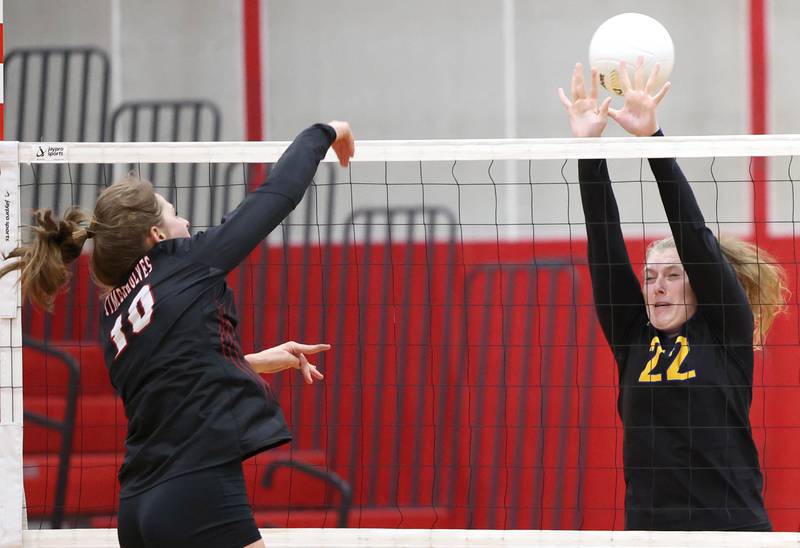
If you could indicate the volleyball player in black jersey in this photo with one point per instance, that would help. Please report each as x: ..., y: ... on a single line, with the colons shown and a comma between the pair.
x: 683, y: 341
x: 195, y: 404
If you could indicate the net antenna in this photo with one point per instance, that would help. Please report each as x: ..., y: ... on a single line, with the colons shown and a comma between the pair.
x: 12, y: 502
x: 12, y: 494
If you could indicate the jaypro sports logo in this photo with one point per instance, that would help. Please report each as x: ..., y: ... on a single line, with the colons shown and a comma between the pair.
x: 50, y: 152
x: 7, y: 236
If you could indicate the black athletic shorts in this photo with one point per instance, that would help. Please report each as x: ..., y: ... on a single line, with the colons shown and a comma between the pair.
x: 207, y: 508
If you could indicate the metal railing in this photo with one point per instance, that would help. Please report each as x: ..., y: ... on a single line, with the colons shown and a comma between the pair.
x: 65, y: 426
x: 331, y: 479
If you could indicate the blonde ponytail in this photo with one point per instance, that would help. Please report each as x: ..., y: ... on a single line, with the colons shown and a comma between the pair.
x: 43, y: 263
x: 122, y: 216
x: 764, y: 282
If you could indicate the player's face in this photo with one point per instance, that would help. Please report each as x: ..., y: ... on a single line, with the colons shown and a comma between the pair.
x: 172, y: 225
x: 669, y: 296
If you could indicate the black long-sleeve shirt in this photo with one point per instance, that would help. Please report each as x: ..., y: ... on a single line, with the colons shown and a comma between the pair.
x: 689, y: 456
x: 171, y: 347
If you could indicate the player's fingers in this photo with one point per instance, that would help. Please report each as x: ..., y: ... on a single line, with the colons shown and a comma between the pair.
x: 614, y: 113
x: 292, y: 362
x: 580, y: 88
x: 574, y: 81
x: 564, y: 101
x: 344, y: 144
x: 305, y: 369
x: 351, y: 147
x: 595, y: 81
x: 344, y: 147
x: 651, y: 80
x: 604, y: 106
x: 624, y: 80
x: 662, y: 92
x: 342, y: 154
x: 312, y: 348
x: 316, y: 373
x: 638, y: 74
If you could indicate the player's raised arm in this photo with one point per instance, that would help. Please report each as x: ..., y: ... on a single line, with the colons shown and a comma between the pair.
x: 712, y: 277
x: 227, y: 244
x: 617, y: 295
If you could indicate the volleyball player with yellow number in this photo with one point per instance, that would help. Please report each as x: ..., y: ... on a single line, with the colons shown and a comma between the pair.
x: 683, y: 340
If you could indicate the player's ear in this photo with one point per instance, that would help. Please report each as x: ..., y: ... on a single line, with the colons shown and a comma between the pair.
x: 155, y: 235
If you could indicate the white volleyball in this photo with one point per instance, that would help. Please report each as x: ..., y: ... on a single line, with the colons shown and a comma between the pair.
x: 626, y: 37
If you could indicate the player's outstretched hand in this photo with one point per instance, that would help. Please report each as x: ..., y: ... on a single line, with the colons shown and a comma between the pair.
x: 344, y: 146
x: 289, y: 355
x: 638, y: 115
x: 586, y: 118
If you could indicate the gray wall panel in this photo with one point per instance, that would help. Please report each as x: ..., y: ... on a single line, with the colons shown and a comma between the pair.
x: 435, y: 69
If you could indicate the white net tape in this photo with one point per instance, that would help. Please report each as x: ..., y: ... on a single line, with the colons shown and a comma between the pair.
x: 425, y: 151
x: 411, y: 538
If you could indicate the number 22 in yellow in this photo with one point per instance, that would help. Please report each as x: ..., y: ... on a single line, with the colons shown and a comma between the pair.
x: 673, y: 371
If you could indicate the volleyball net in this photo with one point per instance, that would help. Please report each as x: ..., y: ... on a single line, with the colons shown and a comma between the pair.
x: 468, y: 385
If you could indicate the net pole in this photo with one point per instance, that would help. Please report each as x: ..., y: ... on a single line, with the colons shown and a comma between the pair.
x: 2, y: 97
x: 12, y: 514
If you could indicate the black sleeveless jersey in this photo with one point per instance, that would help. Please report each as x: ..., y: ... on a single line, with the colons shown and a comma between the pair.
x: 171, y: 347
x: 689, y: 457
